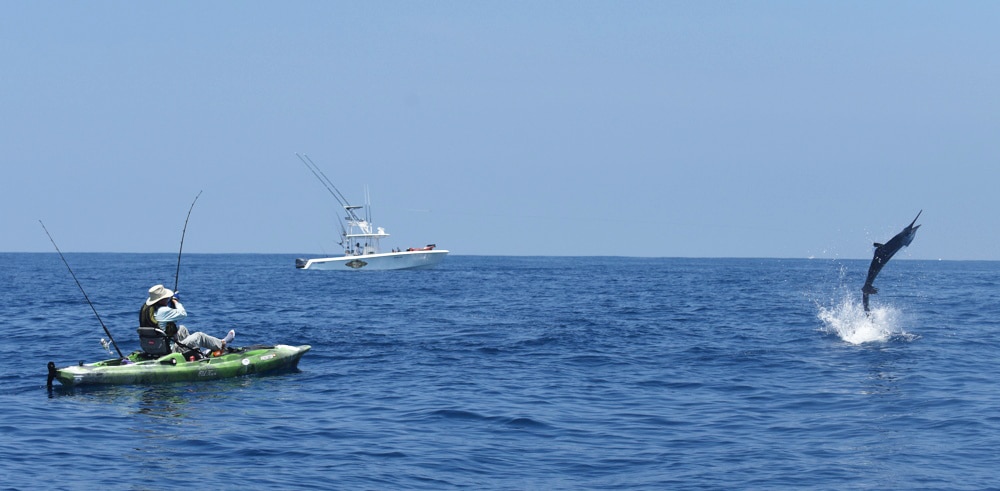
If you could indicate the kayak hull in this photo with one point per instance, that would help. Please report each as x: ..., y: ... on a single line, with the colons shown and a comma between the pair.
x: 174, y: 368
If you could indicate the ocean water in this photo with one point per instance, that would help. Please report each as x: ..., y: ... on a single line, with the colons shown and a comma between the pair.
x: 516, y: 373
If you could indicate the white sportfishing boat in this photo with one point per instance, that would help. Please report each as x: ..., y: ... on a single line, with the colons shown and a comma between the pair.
x: 361, y: 239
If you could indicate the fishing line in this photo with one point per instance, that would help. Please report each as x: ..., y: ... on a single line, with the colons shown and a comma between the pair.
x: 106, y: 331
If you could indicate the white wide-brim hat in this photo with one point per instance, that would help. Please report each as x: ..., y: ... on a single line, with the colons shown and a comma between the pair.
x: 157, y: 293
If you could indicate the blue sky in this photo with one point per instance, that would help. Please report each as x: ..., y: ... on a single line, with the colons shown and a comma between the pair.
x: 664, y: 129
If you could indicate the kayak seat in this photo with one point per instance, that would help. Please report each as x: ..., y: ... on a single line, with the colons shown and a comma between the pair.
x: 154, y: 341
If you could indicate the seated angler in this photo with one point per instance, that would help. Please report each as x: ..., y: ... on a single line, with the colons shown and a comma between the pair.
x: 163, y: 311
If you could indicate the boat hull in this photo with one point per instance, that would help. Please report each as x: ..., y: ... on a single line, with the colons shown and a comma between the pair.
x: 174, y: 368
x: 376, y: 262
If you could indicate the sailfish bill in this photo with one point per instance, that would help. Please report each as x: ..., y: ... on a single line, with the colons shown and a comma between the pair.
x: 883, y: 253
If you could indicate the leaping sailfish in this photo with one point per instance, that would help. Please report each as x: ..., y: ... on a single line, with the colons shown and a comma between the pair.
x: 883, y: 253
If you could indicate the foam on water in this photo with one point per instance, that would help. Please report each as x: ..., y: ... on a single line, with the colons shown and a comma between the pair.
x: 847, y: 319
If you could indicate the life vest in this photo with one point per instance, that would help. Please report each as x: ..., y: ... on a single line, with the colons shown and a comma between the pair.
x: 147, y: 318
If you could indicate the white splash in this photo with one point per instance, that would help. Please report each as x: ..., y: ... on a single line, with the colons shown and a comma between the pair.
x: 849, y: 321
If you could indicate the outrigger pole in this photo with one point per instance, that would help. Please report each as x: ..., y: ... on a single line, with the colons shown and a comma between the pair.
x: 183, y: 232
x: 325, y: 181
x: 106, y: 331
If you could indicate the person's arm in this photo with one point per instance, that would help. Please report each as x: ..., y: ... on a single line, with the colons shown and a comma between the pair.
x: 168, y: 314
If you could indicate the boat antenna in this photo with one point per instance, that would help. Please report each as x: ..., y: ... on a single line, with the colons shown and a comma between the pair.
x: 368, y: 205
x: 177, y: 274
x: 368, y: 215
x: 106, y: 331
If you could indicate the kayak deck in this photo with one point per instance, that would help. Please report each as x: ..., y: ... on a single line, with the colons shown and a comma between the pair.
x: 174, y: 368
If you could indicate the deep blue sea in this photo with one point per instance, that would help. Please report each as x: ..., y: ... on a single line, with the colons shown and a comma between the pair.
x: 516, y: 373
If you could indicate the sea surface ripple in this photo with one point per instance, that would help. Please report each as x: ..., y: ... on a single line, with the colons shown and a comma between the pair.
x: 516, y: 373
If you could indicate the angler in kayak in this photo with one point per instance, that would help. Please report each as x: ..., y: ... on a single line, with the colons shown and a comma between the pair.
x: 165, y: 359
x: 168, y: 359
x: 163, y: 310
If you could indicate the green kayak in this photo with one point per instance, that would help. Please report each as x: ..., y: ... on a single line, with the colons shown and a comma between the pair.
x: 135, y: 369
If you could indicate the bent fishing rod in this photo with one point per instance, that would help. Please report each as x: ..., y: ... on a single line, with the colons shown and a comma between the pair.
x: 177, y: 274
x: 183, y: 232
x: 106, y: 331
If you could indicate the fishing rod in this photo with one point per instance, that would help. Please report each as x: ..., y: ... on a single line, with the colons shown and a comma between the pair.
x: 177, y: 274
x: 106, y: 331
